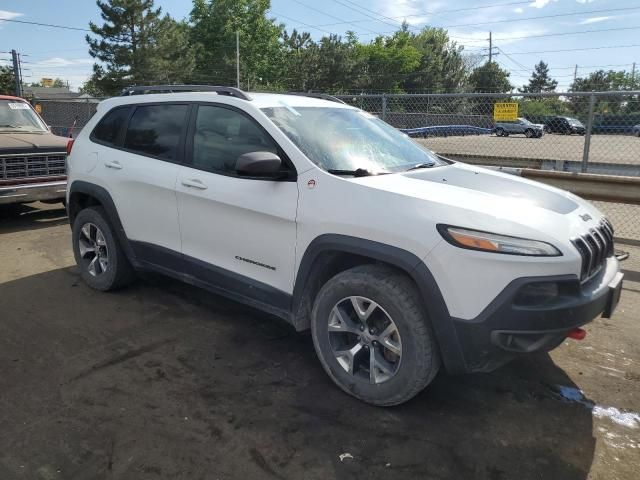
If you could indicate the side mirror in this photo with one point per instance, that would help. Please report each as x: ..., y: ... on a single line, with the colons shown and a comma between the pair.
x: 259, y: 164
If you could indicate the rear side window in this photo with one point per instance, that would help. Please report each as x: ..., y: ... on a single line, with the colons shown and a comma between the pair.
x: 109, y: 127
x: 155, y: 130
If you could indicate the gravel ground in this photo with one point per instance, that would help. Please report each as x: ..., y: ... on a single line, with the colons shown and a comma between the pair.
x: 604, y: 148
x: 165, y: 381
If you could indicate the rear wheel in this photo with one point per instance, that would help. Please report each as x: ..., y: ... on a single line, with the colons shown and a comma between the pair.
x: 372, y: 336
x: 499, y: 132
x: 100, y: 258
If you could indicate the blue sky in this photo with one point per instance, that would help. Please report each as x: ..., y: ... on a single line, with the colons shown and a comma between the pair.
x: 62, y: 53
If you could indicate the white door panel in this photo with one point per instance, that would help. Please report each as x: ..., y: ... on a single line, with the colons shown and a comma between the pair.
x: 241, y: 225
x: 143, y: 190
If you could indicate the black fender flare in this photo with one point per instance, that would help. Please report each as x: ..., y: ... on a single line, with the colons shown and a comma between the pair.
x: 409, y: 263
x: 104, y: 198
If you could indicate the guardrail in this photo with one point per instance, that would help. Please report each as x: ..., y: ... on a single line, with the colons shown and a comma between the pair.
x: 603, y: 188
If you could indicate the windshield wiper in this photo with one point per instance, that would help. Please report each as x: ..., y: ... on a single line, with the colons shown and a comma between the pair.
x: 421, y: 165
x: 358, y: 172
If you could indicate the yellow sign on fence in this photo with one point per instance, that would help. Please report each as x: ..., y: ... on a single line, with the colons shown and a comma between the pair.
x: 505, y: 111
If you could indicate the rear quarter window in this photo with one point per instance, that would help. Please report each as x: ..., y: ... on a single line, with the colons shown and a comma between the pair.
x: 109, y: 127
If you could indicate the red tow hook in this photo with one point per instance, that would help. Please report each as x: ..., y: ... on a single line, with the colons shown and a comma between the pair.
x: 577, y: 334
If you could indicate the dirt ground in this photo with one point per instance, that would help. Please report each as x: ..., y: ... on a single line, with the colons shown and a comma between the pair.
x: 164, y: 381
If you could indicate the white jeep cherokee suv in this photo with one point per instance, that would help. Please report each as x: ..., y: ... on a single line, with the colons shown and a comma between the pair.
x: 322, y: 214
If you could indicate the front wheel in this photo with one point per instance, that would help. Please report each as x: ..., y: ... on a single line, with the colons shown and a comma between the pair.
x: 372, y: 335
x: 499, y: 132
x: 100, y: 258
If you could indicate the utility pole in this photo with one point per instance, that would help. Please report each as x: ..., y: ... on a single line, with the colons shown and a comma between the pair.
x: 633, y: 76
x: 575, y: 73
x: 16, y: 73
x: 490, y: 48
x: 237, y: 59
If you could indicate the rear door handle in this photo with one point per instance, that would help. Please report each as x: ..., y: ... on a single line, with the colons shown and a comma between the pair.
x: 194, y: 183
x: 113, y: 164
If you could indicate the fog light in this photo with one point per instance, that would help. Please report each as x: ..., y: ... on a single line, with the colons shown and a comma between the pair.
x: 537, y: 294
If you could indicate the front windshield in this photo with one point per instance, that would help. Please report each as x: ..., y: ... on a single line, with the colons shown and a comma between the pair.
x: 347, y: 139
x: 17, y: 116
x: 574, y: 122
x: 524, y: 121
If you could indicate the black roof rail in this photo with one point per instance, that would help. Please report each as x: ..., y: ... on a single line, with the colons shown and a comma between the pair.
x: 149, y: 89
x: 323, y: 96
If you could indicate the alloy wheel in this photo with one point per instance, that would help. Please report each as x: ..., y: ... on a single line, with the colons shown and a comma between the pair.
x: 364, y: 339
x: 93, y: 249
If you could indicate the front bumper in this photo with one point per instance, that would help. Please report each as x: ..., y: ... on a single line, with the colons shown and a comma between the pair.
x: 508, y: 327
x: 33, y: 192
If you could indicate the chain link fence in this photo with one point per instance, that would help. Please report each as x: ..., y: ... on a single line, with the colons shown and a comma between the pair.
x: 67, y: 117
x: 577, y: 132
x: 595, y: 132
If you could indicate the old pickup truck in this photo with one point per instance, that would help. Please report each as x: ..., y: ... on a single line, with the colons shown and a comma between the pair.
x: 521, y: 126
x: 32, y: 159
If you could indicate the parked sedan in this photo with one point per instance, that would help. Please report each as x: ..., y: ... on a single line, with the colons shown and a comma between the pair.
x: 520, y: 126
x: 636, y: 130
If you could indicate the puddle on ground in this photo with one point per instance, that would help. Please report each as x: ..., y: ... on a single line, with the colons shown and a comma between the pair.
x: 626, y: 419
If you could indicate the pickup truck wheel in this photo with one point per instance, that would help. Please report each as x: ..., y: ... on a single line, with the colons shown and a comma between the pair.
x: 100, y: 258
x: 372, y: 335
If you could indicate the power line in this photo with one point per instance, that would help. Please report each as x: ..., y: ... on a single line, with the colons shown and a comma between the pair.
x: 555, y: 34
x: 329, y: 15
x: 575, y: 49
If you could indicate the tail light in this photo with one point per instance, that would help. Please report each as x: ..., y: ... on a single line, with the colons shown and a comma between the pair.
x: 69, y: 146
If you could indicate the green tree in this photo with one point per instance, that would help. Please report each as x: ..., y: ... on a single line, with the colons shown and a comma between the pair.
x: 213, y: 35
x: 540, y: 80
x: 441, y: 68
x: 7, y: 81
x: 602, y: 81
x: 137, y: 45
x: 490, y: 78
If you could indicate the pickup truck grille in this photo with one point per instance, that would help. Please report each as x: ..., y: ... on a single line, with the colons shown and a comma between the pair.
x: 595, y: 247
x: 14, y: 167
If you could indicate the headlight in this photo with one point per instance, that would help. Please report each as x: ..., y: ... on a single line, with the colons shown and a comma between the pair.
x: 492, y: 242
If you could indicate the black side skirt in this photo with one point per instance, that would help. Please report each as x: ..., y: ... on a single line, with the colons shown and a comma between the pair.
x: 215, y: 279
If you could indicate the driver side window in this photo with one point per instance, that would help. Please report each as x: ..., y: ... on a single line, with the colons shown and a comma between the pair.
x: 221, y: 135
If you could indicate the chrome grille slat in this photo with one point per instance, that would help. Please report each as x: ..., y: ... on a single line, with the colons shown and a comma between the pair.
x: 595, y: 246
x: 15, y: 167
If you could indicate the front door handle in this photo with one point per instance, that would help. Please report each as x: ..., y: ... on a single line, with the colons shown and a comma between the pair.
x: 194, y: 183
x: 113, y: 164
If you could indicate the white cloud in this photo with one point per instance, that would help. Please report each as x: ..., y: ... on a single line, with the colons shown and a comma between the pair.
x: 74, y: 70
x: 412, y: 11
x: 6, y: 15
x: 585, y: 1
x: 590, y: 20
x: 541, y: 3
x: 475, y: 39
x: 518, y: 10
x: 58, y: 62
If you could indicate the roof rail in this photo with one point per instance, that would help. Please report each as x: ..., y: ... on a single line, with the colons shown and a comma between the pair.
x: 149, y: 89
x: 323, y: 96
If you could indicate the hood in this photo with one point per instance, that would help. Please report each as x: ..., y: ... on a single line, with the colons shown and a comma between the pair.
x: 484, y: 199
x: 31, y: 142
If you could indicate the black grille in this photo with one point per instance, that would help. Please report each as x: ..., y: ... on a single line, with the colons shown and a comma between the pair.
x: 32, y: 166
x: 595, y: 247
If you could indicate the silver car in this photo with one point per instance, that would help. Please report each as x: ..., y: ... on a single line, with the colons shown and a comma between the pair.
x: 636, y: 130
x: 519, y: 126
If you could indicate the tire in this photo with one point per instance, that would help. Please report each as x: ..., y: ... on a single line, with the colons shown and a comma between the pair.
x: 396, y: 300
x: 528, y: 133
x: 116, y: 272
x: 499, y: 132
x: 546, y: 129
